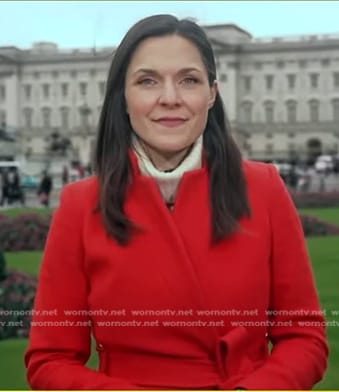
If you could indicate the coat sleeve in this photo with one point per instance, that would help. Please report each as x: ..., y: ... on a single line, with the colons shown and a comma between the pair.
x: 297, y: 327
x: 59, y: 344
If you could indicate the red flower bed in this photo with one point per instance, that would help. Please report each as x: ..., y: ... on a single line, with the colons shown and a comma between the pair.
x: 23, y: 232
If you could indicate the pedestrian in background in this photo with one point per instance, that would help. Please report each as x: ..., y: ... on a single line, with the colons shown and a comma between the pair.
x: 4, y: 187
x: 14, y: 190
x: 45, y: 189
x: 65, y: 175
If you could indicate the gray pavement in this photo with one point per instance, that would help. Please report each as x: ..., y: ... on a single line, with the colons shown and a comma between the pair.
x: 32, y: 200
x: 329, y: 183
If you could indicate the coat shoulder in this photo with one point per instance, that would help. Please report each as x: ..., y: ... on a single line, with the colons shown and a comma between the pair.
x: 265, y: 185
x: 83, y: 191
x: 257, y: 170
x: 260, y: 175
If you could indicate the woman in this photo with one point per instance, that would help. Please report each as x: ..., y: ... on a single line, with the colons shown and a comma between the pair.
x: 45, y: 188
x: 182, y: 260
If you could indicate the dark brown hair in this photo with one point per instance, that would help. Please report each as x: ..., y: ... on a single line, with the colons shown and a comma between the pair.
x: 228, y: 192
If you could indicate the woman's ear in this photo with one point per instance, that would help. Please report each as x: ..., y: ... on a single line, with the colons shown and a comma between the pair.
x: 125, y: 103
x: 213, y: 94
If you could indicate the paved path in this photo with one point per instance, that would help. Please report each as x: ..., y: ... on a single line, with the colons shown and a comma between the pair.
x: 331, y: 183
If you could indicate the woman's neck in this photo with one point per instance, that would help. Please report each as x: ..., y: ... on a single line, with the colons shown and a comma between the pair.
x: 165, y: 161
x: 169, y: 179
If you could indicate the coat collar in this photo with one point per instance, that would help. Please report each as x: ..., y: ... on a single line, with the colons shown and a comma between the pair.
x: 136, y: 172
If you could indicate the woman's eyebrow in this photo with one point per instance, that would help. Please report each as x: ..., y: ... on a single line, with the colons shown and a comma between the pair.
x: 189, y: 69
x: 147, y: 71
x: 150, y: 71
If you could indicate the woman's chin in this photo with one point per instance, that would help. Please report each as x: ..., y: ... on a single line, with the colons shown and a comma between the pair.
x: 171, y: 148
x: 172, y: 144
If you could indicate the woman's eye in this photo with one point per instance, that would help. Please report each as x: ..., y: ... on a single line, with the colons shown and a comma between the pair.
x: 147, y: 82
x: 190, y: 80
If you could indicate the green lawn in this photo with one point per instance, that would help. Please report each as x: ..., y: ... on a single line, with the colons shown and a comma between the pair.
x: 330, y: 215
x: 20, y: 211
x: 324, y: 252
x: 28, y: 262
x: 12, y: 369
x: 12, y: 373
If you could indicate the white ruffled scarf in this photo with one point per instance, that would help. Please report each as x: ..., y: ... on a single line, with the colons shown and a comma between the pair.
x: 169, y: 181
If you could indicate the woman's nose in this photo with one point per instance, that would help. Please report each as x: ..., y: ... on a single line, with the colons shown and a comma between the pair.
x: 169, y: 95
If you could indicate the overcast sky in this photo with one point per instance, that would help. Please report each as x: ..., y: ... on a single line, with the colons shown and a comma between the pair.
x: 73, y: 24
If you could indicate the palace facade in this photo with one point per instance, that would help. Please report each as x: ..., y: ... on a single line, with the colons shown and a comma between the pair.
x: 281, y: 94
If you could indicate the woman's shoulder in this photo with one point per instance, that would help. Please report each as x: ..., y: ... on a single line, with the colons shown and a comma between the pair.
x: 260, y: 174
x: 88, y: 184
x: 82, y: 191
x: 257, y: 169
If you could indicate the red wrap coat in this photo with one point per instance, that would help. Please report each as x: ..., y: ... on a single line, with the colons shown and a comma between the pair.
x: 222, y: 303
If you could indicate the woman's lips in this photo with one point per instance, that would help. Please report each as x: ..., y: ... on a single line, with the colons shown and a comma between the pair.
x: 171, y: 122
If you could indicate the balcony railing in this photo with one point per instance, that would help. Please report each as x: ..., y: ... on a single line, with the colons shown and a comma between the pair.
x: 45, y: 132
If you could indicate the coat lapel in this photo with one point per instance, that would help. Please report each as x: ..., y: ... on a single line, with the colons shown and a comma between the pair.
x: 181, y: 237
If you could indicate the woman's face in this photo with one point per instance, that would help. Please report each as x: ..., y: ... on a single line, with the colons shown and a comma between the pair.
x: 167, y: 93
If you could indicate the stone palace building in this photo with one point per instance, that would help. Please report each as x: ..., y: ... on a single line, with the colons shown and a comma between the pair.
x: 281, y: 94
